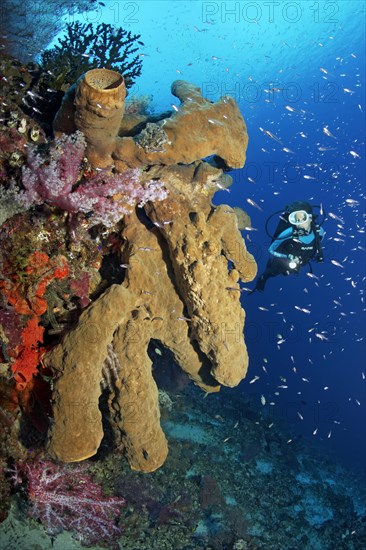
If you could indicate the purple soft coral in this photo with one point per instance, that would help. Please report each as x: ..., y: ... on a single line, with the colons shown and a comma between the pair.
x: 53, y: 181
x: 66, y: 498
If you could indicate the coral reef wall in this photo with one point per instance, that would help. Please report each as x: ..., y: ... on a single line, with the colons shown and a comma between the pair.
x: 117, y: 246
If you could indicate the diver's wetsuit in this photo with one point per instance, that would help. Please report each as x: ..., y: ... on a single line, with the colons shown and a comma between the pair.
x: 295, y: 242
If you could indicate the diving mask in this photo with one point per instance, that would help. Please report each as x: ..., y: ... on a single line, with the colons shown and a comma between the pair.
x: 299, y: 217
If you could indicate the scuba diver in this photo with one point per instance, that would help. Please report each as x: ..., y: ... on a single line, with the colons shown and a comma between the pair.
x: 296, y: 241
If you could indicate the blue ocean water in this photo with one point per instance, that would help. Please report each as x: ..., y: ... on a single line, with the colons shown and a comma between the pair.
x: 297, y: 70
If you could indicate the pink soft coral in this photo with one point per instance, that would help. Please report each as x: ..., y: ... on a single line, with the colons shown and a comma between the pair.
x: 65, y: 498
x: 53, y: 180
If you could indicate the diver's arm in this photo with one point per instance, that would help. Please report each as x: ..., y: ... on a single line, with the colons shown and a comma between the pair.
x: 321, y: 232
x: 285, y: 235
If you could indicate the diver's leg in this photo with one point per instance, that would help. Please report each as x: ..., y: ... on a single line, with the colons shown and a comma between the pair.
x: 261, y: 281
x: 273, y: 268
x: 270, y: 271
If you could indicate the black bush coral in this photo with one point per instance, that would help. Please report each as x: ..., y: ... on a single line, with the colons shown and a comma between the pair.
x: 86, y: 47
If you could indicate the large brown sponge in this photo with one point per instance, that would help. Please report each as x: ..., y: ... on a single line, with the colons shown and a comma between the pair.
x: 184, y: 258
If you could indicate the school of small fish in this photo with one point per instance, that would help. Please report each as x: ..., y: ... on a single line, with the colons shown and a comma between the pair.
x: 304, y: 344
